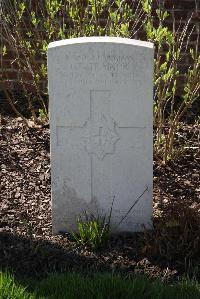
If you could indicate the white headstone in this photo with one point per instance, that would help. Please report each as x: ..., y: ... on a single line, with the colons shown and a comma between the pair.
x: 101, y: 92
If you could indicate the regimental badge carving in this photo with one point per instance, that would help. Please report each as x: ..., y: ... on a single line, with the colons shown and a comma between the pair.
x: 101, y: 136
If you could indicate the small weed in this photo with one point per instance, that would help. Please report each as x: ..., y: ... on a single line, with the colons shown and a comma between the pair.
x: 42, y: 114
x: 94, y: 231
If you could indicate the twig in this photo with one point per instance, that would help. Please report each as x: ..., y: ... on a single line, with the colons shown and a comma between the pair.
x: 146, y: 189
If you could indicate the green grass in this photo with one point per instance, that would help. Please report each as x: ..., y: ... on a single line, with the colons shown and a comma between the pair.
x: 9, y: 289
x: 96, y: 286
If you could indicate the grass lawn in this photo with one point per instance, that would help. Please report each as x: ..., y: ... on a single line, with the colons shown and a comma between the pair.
x: 99, y: 286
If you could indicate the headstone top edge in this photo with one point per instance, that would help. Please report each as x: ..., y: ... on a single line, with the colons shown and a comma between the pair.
x: 100, y: 39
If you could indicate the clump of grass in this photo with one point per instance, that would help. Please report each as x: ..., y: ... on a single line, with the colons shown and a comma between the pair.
x: 92, y: 231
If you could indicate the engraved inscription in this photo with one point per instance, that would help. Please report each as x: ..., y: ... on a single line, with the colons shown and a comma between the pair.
x: 102, y: 66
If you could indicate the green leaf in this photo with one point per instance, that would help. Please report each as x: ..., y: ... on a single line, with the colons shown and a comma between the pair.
x: 22, y: 6
x: 29, y: 34
x: 165, y: 15
x: 4, y: 50
x: 192, y: 53
x: 43, y: 70
x: 158, y: 12
x: 33, y: 19
x: 147, y: 6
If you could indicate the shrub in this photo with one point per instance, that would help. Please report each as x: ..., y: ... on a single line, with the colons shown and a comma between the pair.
x: 168, y: 112
x: 29, y: 26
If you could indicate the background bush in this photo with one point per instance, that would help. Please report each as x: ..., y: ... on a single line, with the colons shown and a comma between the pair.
x: 29, y: 26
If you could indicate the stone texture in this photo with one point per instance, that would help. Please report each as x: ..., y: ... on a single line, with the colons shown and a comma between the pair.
x: 101, y: 130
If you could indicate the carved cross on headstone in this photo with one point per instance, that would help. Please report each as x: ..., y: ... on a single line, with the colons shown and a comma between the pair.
x: 99, y: 132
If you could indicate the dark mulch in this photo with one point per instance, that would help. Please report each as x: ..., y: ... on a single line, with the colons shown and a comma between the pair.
x: 28, y: 248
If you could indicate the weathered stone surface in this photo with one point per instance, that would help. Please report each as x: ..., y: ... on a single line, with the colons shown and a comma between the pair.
x: 101, y: 130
